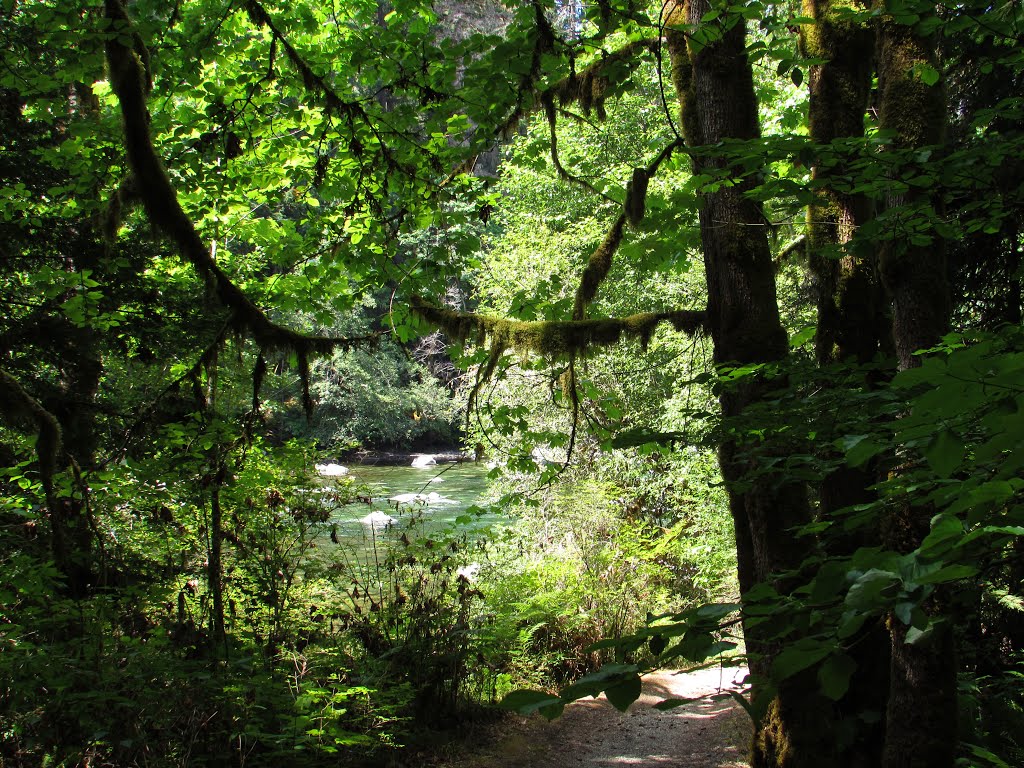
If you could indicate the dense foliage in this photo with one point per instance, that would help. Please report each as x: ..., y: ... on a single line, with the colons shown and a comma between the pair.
x: 787, y: 236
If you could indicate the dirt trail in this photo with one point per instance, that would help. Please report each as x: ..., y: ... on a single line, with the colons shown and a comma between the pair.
x: 592, y: 734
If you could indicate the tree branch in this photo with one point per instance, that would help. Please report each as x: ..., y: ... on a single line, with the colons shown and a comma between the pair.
x: 556, y: 338
x: 600, y: 262
x: 799, y: 244
x: 18, y: 406
x: 591, y: 86
x: 128, y: 78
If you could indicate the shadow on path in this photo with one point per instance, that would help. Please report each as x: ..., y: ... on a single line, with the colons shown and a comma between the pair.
x: 711, y: 732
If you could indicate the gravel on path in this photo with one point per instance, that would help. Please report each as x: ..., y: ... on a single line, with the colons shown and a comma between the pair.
x: 712, y: 732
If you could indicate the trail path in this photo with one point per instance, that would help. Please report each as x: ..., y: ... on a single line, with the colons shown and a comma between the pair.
x: 593, y: 734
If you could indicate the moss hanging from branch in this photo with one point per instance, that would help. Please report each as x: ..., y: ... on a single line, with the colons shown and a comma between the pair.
x: 555, y: 338
x: 19, y: 407
x: 682, y: 71
x: 598, y: 266
x: 636, y: 196
x: 312, y: 82
x: 600, y: 262
x: 128, y: 79
x: 551, y: 113
x: 259, y: 373
x: 551, y: 338
x: 124, y: 197
x: 591, y: 86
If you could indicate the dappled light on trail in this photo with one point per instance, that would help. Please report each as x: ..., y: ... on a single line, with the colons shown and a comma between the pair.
x: 710, y: 732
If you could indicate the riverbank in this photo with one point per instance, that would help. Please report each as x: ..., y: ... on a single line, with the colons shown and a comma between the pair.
x: 404, y: 459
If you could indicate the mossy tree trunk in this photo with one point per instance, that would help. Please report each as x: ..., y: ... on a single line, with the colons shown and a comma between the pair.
x: 74, y: 405
x: 715, y: 86
x: 850, y: 319
x: 850, y: 299
x: 66, y: 370
x: 921, y: 717
x: 215, y: 568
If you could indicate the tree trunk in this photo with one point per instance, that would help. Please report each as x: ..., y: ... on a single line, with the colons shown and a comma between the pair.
x: 849, y: 290
x: 716, y: 91
x: 215, y: 570
x: 921, y: 716
x: 74, y: 405
x: 850, y: 310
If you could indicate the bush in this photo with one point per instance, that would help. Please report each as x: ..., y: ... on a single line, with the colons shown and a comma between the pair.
x: 413, y: 609
x: 568, y: 573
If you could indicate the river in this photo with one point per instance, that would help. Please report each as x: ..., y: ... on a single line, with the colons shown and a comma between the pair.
x: 438, y: 497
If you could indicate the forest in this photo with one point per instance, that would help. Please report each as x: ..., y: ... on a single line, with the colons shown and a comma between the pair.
x: 716, y: 309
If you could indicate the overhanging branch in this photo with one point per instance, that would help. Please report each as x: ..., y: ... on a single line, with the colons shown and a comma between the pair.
x: 556, y: 338
x: 129, y: 80
x: 600, y: 262
x: 590, y: 87
x: 552, y: 338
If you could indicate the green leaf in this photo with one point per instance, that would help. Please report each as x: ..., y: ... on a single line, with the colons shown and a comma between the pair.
x: 905, y: 611
x: 608, y: 642
x: 828, y: 582
x: 929, y: 75
x: 858, y: 449
x: 527, y: 702
x: 805, y: 335
x: 593, y: 684
x: 553, y: 710
x: 625, y: 693
x: 946, y: 530
x: 948, y: 573
x: 945, y: 453
x: 834, y: 675
x: 850, y: 624
x: 993, y: 760
x: 797, y: 76
x: 872, y: 590
x: 994, y: 492
x: 716, y: 611
x: 797, y: 658
x: 916, y: 635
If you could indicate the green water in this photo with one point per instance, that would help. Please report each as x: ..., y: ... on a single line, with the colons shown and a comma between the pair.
x: 437, y: 498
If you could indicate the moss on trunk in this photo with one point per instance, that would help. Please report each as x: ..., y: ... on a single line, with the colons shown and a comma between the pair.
x: 850, y: 303
x: 922, y: 709
x: 850, y: 299
x: 717, y: 101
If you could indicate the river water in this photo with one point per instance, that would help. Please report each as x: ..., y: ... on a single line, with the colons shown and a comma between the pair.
x: 438, y: 497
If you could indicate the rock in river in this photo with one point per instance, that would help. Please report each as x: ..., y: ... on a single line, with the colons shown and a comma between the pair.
x: 331, y: 470
x: 377, y: 519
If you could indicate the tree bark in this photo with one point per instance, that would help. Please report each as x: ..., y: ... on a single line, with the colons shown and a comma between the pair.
x: 715, y: 87
x: 922, y: 711
x: 850, y: 310
x: 850, y: 298
x: 215, y: 570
